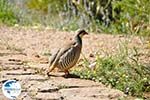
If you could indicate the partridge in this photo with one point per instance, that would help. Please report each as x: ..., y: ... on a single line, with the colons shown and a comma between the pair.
x: 66, y: 57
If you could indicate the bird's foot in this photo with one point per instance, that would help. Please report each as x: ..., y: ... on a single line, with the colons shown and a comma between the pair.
x: 66, y: 74
x: 47, y: 73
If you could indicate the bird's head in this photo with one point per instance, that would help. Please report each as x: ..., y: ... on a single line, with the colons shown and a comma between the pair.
x: 81, y: 33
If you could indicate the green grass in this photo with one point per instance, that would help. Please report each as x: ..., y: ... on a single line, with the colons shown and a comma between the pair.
x: 7, y: 15
x: 122, y: 71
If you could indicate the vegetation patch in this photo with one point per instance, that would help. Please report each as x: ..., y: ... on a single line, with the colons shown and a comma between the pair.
x: 7, y: 15
x: 109, y: 16
x: 122, y: 71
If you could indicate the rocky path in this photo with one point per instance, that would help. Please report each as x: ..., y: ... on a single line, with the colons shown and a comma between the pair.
x: 35, y: 86
x: 23, y: 56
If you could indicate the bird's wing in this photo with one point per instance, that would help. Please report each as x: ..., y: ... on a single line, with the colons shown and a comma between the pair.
x: 53, y: 57
x: 64, y: 50
x: 69, y: 53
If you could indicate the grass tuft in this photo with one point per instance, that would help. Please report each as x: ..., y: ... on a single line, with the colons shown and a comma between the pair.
x: 122, y: 71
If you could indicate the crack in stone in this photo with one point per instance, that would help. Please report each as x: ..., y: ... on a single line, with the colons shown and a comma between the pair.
x: 14, y: 60
x: 70, y: 87
x: 39, y: 80
x: 48, y: 90
x: 3, y: 81
x: 67, y: 87
x: 20, y: 73
x: 18, y: 63
x: 7, y: 54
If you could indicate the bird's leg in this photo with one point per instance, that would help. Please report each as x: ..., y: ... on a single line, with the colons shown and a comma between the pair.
x: 66, y: 73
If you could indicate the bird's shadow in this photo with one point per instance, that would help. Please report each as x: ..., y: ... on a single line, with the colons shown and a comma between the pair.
x: 65, y: 76
x: 71, y: 76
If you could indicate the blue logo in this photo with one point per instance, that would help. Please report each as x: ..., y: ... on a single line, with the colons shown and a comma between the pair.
x: 11, y: 89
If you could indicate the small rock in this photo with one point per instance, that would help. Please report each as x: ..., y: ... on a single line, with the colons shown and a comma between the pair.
x: 37, y: 56
x: 92, y: 66
x: 91, y: 55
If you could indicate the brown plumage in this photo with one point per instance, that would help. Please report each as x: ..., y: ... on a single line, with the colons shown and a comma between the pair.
x: 66, y: 57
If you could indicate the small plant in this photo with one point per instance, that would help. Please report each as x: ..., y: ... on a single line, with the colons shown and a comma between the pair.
x: 122, y: 71
x: 7, y: 15
x: 46, y: 53
x: 62, y: 86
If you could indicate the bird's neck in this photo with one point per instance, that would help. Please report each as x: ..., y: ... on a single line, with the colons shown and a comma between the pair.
x: 78, y: 39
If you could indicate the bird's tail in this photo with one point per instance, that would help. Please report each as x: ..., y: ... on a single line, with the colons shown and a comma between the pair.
x: 51, y: 68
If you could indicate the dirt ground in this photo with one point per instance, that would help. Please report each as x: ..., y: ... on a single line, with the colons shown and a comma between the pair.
x: 24, y: 56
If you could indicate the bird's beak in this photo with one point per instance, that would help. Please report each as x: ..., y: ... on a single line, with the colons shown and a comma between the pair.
x: 86, y: 33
